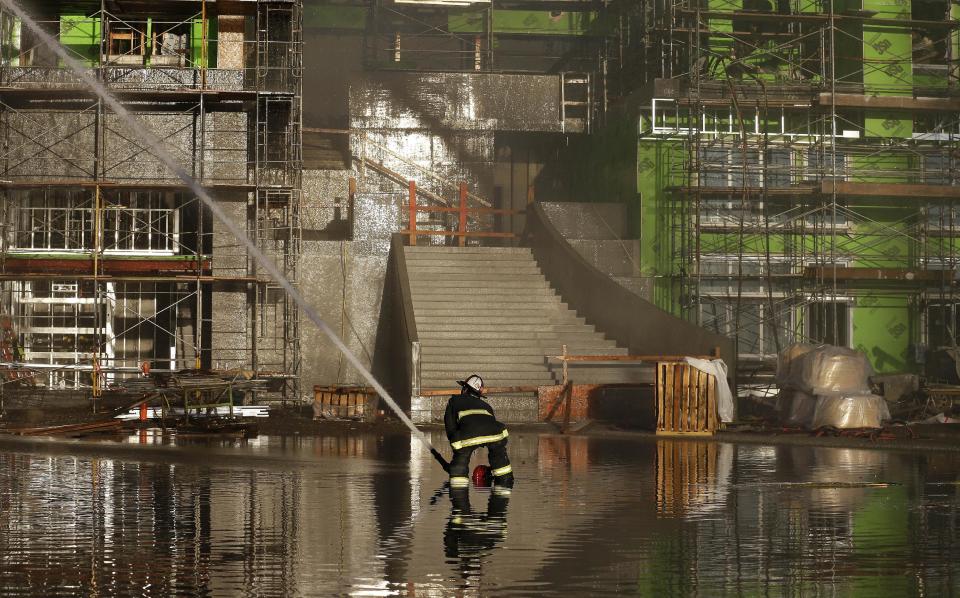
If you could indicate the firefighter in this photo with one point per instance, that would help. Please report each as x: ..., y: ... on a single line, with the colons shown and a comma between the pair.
x: 471, y: 424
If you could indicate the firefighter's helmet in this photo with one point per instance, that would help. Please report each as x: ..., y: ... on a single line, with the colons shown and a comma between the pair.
x: 473, y: 382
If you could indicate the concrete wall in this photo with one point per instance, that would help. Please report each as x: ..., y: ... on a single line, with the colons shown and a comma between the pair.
x: 461, y: 101
x: 343, y: 277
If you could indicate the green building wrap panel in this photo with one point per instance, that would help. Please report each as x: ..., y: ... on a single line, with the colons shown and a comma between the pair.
x: 196, y: 44
x: 528, y: 22
x: 80, y: 35
x: 888, y: 66
x: 884, y: 329
x: 317, y: 16
x: 721, y: 44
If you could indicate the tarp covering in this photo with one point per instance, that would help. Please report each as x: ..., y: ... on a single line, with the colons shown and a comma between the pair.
x: 718, y: 369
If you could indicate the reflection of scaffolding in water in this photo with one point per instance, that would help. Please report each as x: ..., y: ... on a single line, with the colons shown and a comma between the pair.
x: 813, y: 163
x: 109, y: 265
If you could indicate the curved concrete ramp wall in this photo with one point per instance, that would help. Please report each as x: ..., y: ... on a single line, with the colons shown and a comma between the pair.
x: 620, y: 314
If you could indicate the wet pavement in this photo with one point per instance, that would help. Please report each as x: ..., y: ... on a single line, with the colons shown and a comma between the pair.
x: 368, y: 515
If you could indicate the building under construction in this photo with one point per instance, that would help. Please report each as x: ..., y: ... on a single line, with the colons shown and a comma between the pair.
x: 796, y: 172
x: 786, y: 169
x: 766, y: 172
x: 110, y: 266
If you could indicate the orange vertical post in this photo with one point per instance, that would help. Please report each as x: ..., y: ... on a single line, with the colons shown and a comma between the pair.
x: 143, y: 412
x: 462, y: 240
x: 413, y: 213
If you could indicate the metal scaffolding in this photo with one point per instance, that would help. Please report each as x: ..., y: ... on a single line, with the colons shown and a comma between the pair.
x: 109, y: 267
x: 811, y: 152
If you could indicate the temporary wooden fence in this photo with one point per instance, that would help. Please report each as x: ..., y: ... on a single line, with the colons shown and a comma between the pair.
x: 686, y: 400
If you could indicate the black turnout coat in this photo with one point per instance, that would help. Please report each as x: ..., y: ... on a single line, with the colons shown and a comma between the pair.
x: 470, y: 421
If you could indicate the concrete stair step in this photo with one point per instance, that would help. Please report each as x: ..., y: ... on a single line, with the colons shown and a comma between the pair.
x: 515, y: 329
x: 483, y: 296
x: 420, y: 291
x: 451, y: 383
x: 517, y: 370
x: 595, y: 345
x: 487, y: 300
x: 568, y: 338
x: 440, y: 284
x: 526, y: 316
x: 526, y: 267
x: 492, y: 309
x: 510, y: 354
x: 438, y: 360
x: 471, y: 259
x: 421, y: 250
x: 451, y: 274
x: 465, y: 263
x: 503, y: 319
x: 436, y: 283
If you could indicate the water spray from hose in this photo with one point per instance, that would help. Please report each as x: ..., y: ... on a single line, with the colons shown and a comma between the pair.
x: 261, y: 259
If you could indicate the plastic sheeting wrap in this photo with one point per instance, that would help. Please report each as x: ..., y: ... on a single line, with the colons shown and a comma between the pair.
x: 718, y: 369
x: 796, y: 408
x: 833, y: 370
x: 851, y: 411
x: 788, y: 363
x: 824, y: 369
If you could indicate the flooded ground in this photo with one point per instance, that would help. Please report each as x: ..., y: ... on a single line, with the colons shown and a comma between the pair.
x: 368, y: 516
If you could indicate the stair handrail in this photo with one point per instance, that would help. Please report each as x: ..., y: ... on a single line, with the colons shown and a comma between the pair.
x: 442, y: 180
x: 402, y: 180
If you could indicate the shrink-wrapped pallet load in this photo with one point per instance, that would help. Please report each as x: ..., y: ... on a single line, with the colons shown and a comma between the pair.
x: 789, y: 371
x: 850, y: 411
x: 835, y: 370
x: 796, y: 407
x: 824, y: 385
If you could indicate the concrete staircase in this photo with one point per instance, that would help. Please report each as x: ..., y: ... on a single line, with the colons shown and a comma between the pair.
x: 489, y: 310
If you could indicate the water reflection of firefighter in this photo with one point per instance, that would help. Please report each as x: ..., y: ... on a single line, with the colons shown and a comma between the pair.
x: 470, y: 536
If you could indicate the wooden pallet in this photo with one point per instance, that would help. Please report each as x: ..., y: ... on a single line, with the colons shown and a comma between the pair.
x: 686, y: 400
x: 343, y: 402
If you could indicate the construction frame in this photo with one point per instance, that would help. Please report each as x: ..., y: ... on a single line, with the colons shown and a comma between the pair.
x: 798, y: 162
x: 109, y: 266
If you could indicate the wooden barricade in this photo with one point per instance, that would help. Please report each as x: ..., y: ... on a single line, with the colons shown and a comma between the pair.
x: 686, y: 400
x: 343, y: 402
